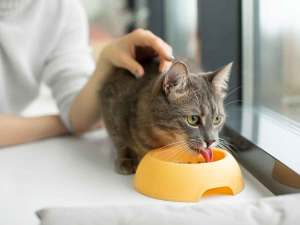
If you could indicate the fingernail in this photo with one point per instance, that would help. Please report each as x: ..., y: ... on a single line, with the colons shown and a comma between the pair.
x: 139, y: 73
x: 171, y: 57
x: 166, y: 67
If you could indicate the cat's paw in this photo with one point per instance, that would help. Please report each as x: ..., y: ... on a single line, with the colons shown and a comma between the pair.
x: 126, y: 166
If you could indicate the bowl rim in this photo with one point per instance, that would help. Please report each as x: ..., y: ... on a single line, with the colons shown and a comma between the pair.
x: 226, y: 155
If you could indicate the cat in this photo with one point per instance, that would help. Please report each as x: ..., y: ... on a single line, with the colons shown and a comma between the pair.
x: 159, y: 109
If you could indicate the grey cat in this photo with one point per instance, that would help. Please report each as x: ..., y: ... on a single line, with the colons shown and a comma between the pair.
x: 160, y: 109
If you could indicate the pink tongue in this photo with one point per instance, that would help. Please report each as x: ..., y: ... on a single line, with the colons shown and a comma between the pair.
x: 207, y: 154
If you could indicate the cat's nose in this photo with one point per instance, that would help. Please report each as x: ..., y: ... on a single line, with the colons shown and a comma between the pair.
x: 209, y: 142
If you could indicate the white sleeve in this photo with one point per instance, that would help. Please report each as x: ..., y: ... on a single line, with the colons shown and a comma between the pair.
x: 70, y: 64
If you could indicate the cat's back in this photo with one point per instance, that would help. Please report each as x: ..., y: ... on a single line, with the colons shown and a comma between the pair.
x: 121, y: 89
x: 121, y: 83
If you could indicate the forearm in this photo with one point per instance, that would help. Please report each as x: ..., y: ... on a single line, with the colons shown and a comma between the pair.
x: 18, y: 130
x: 85, y: 110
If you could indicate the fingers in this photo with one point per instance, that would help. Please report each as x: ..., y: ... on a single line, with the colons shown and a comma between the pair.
x: 129, y: 63
x: 164, y: 66
x: 143, y: 53
x: 147, y: 38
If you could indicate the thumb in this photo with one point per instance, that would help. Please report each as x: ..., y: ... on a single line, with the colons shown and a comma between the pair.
x: 133, y: 66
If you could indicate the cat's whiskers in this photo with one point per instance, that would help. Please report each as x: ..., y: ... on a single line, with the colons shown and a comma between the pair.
x: 230, y: 92
x: 221, y: 145
x: 183, y: 150
x: 225, y: 145
x: 176, y: 148
x: 177, y: 159
x: 174, y: 153
x: 226, y: 104
x: 193, y: 141
x: 167, y: 153
x: 171, y: 144
x: 228, y: 143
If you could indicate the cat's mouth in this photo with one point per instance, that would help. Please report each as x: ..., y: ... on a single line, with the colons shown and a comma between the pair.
x: 206, y: 153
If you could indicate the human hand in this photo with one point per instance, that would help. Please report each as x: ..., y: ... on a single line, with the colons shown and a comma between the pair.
x: 122, y: 52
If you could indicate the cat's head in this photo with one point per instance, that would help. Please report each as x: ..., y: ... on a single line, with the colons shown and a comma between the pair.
x: 190, y: 107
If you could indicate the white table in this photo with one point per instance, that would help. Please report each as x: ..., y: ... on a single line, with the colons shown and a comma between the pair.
x: 70, y: 171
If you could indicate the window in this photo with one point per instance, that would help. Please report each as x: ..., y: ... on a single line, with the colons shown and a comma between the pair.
x: 278, y: 50
x: 271, y: 79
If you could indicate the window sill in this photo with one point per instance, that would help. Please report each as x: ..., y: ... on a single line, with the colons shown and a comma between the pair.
x: 259, y: 138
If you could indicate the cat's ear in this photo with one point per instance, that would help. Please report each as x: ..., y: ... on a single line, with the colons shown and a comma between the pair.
x: 175, y: 79
x: 219, y: 79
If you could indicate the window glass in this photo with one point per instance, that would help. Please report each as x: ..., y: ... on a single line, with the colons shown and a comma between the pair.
x: 271, y: 78
x: 277, y: 53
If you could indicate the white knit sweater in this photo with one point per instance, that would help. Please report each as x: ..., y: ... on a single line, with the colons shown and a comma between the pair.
x: 42, y: 41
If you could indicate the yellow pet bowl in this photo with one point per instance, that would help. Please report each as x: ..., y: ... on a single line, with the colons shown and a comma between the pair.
x: 176, y: 175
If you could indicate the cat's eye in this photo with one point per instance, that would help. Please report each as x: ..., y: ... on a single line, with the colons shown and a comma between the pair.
x: 217, y: 120
x: 193, y: 120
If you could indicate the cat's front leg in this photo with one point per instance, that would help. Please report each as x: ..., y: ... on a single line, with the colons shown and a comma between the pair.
x: 126, y: 161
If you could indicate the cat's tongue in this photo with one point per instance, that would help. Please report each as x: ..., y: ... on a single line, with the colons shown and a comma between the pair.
x: 207, y: 154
